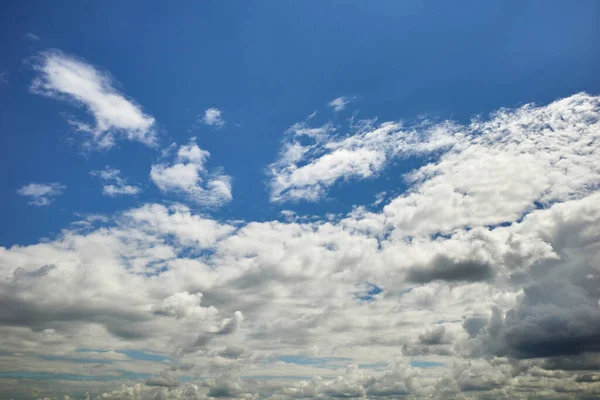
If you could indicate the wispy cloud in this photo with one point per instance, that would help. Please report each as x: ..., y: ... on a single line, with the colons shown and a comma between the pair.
x: 187, y: 174
x: 41, y: 194
x: 115, y: 185
x: 32, y: 36
x: 66, y: 78
x: 314, y: 159
x: 338, y: 104
x: 213, y: 116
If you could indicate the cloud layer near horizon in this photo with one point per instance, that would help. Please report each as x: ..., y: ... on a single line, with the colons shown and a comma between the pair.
x: 480, y: 281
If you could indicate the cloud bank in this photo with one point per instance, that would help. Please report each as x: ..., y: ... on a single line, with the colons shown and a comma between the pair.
x: 478, y: 282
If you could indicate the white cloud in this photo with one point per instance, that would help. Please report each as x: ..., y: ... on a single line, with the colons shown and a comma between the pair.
x: 186, y: 174
x: 307, y: 171
x: 339, y: 103
x: 502, y: 167
x: 32, y: 36
x: 367, y: 304
x: 531, y: 147
x: 185, y: 305
x: 41, y: 194
x: 115, y: 185
x: 213, y: 116
x: 115, y: 116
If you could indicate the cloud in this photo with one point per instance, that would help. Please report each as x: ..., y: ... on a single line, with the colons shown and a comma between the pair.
x: 456, y: 186
x: 64, y: 77
x: 213, y: 117
x: 186, y: 174
x: 491, y: 297
x: 32, y: 36
x: 339, y: 103
x: 306, y: 171
x: 115, y: 185
x: 42, y: 194
x: 451, y: 270
x: 184, y: 304
x: 163, y: 380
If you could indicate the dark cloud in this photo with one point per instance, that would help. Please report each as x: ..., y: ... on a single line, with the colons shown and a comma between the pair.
x: 553, y: 319
x: 583, y: 362
x: 447, y: 269
x: 164, y: 380
x: 21, y: 274
x: 474, y: 325
x: 435, y: 336
x: 233, y: 352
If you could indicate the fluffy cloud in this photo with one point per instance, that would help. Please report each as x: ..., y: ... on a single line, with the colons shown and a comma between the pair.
x: 307, y: 171
x: 213, y: 116
x: 540, y: 154
x: 115, y: 185
x: 186, y: 174
x: 465, y: 303
x: 41, y: 194
x: 115, y: 116
x: 505, y: 167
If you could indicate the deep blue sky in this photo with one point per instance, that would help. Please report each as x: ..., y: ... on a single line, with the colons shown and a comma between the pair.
x: 266, y: 65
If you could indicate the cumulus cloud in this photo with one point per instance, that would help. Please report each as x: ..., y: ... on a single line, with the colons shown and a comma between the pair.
x: 490, y: 297
x: 115, y: 185
x: 41, y: 194
x: 184, y: 304
x: 531, y: 146
x: 213, y: 116
x: 306, y: 171
x: 187, y: 174
x: 64, y: 77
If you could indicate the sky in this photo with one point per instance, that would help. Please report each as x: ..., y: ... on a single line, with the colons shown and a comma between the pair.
x: 284, y: 200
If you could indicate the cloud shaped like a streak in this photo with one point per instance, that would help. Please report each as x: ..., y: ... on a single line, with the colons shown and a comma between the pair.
x: 63, y: 77
x: 339, y: 103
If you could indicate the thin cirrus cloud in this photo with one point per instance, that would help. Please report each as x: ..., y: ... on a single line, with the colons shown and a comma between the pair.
x: 32, y: 36
x: 340, y: 103
x: 186, y: 174
x: 114, y: 184
x: 64, y: 77
x: 41, y: 194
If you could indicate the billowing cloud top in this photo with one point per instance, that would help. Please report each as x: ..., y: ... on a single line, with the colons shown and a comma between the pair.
x: 479, y: 281
x: 188, y: 175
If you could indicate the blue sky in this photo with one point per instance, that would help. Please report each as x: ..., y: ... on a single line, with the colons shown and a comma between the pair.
x: 267, y: 65
x: 227, y: 199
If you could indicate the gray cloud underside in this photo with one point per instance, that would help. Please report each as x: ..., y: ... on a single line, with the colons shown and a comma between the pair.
x: 486, y: 268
